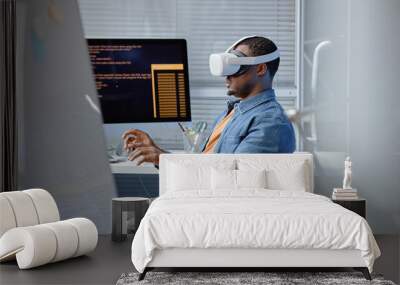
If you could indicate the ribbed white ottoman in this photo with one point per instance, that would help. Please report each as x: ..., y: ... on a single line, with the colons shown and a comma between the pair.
x: 31, y: 232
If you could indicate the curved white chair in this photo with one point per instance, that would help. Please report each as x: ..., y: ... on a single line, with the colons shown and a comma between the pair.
x: 31, y: 232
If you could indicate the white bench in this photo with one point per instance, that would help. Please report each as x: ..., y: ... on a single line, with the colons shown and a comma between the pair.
x: 31, y: 231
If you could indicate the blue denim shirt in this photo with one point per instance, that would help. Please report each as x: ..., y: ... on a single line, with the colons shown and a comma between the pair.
x: 259, y: 125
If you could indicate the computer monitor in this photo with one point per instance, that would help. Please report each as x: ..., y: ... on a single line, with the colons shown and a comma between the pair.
x: 141, y: 80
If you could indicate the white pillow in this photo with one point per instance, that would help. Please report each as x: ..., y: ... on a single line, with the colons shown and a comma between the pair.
x: 288, y: 177
x: 282, y: 174
x: 251, y: 178
x: 223, y: 179
x: 187, y: 176
x: 230, y: 180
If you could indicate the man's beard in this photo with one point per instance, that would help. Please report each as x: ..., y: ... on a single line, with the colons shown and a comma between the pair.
x: 242, y: 92
x: 230, y: 92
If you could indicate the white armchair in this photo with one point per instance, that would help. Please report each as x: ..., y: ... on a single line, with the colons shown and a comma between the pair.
x: 31, y: 230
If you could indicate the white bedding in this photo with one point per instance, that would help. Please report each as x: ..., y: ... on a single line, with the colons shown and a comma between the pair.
x: 250, y: 219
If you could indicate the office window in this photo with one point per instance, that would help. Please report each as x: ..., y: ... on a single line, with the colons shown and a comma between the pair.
x: 208, y: 26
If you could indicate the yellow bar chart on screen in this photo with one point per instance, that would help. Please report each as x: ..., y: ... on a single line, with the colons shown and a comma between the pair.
x: 168, y: 88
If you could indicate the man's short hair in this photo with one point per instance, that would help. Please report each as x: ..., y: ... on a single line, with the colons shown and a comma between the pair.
x: 260, y: 46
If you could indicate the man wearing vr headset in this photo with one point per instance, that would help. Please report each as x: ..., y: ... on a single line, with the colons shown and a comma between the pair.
x: 253, y: 123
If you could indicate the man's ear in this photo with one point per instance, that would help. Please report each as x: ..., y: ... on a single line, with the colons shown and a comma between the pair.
x: 261, y: 69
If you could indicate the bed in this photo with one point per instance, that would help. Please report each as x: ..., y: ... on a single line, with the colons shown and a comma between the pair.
x: 246, y: 211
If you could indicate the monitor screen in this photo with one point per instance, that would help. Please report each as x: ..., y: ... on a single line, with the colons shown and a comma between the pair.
x: 141, y: 80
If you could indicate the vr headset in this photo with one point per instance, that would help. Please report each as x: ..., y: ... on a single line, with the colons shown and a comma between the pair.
x: 233, y: 62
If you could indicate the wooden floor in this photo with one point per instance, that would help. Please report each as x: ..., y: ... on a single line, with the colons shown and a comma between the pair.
x: 110, y: 260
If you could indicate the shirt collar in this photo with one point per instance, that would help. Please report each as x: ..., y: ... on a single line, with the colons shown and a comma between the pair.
x: 250, y: 103
x: 230, y: 104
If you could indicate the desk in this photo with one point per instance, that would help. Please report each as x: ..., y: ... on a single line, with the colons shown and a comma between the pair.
x: 134, y: 180
x: 130, y: 167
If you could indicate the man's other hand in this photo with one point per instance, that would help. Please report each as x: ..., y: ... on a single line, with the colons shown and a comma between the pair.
x: 146, y: 154
x: 140, y: 145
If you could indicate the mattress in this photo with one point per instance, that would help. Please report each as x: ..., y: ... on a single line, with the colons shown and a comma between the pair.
x: 251, y: 219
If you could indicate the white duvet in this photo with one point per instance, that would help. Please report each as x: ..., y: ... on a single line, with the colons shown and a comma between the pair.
x: 250, y: 219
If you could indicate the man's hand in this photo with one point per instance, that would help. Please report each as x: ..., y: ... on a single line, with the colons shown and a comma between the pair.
x: 146, y: 154
x: 140, y: 145
x: 135, y: 138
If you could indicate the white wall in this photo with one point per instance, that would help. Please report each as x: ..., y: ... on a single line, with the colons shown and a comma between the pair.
x: 62, y: 147
x: 357, y: 100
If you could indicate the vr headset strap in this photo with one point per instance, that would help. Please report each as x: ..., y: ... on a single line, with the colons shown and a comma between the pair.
x: 237, y: 42
x: 251, y: 60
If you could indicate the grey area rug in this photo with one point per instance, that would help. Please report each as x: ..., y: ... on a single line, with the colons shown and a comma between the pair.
x: 273, y: 278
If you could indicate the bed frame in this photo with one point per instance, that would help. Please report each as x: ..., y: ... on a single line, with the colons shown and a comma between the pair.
x: 242, y: 259
x: 250, y: 258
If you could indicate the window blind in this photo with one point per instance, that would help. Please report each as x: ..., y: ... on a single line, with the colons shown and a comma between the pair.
x: 207, y: 25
